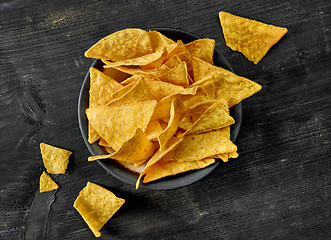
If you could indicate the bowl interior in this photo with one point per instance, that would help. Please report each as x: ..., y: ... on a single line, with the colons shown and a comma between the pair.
x: 130, y: 177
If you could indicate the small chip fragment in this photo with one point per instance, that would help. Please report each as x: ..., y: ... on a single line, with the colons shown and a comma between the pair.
x: 46, y: 183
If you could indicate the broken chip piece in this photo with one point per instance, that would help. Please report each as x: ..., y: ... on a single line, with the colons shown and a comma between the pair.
x: 46, y: 183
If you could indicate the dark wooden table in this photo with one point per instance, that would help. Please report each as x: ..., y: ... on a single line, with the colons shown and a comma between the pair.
x: 278, y: 188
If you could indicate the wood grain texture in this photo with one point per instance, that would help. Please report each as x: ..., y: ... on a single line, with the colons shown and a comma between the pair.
x: 278, y: 188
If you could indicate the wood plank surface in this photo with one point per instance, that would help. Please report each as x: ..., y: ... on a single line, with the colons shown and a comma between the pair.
x: 278, y: 188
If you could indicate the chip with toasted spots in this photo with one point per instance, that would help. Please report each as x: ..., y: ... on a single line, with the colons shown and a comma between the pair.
x: 97, y: 205
x: 252, y: 38
x: 55, y: 159
x: 202, y: 48
x: 121, y: 45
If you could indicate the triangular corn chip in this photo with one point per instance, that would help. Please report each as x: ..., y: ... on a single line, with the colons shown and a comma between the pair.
x: 47, y: 183
x: 118, y: 124
x: 251, y: 38
x: 176, y: 114
x: 202, y: 48
x: 121, y: 45
x: 101, y: 88
x: 55, y: 159
x: 178, y: 75
x: 136, y: 149
x: 158, y: 41
x: 167, y: 168
x: 222, y: 83
x: 198, y: 146
x: 215, y: 117
x: 97, y: 205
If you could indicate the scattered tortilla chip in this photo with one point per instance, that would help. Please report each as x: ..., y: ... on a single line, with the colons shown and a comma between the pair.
x: 168, y: 168
x: 202, y: 48
x: 121, y: 45
x: 55, y: 159
x: 46, y: 183
x: 199, y: 146
x: 136, y: 149
x: 251, y: 38
x: 118, y: 124
x: 222, y: 83
x: 97, y: 205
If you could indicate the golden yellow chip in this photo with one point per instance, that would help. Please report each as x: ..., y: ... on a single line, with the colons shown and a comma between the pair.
x: 199, y: 146
x: 178, y: 48
x: 168, y: 168
x: 97, y: 205
x: 55, y: 159
x: 222, y: 83
x: 158, y: 88
x: 176, y: 114
x: 138, y: 93
x: 178, y: 75
x: 215, y: 117
x: 101, y: 88
x: 103, y: 143
x: 159, y: 41
x: 225, y: 156
x: 118, y: 124
x: 153, y: 130
x: 202, y: 48
x: 170, y: 145
x: 121, y: 45
x: 136, y: 149
x: 251, y: 38
x: 143, y: 60
x: 46, y: 183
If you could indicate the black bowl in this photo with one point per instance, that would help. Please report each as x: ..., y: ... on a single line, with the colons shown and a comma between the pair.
x: 127, y: 176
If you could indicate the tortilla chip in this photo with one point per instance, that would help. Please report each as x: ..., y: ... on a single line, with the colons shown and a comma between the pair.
x: 156, y: 72
x: 158, y: 88
x: 46, y: 183
x: 215, y: 117
x: 143, y: 60
x: 138, y: 93
x: 178, y: 75
x: 121, y: 45
x: 101, y: 88
x: 97, y: 205
x: 179, y: 47
x: 202, y: 48
x: 55, y: 159
x: 118, y: 124
x: 170, y: 145
x: 162, y: 109
x: 153, y: 130
x: 225, y: 156
x: 167, y: 168
x: 103, y: 143
x: 136, y: 149
x: 199, y: 146
x: 222, y: 83
x: 158, y: 41
x: 251, y: 38
x: 176, y: 114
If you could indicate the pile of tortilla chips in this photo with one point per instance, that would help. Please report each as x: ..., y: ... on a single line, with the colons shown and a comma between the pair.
x: 160, y: 104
